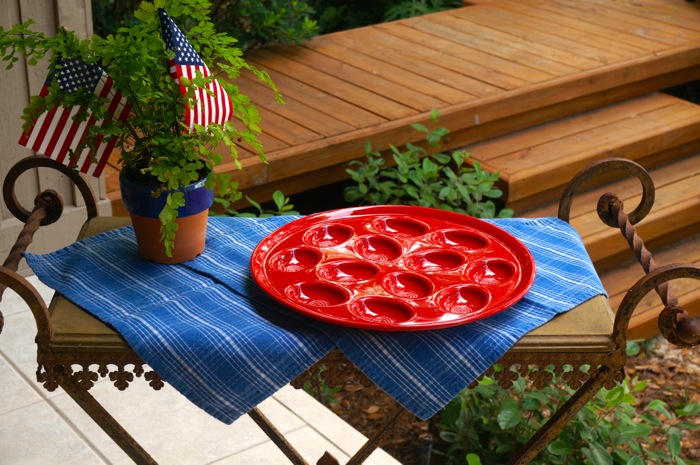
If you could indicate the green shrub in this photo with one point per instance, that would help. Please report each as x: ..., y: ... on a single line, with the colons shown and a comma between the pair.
x: 253, y: 23
x: 438, y: 180
x: 485, y: 425
x: 410, y: 8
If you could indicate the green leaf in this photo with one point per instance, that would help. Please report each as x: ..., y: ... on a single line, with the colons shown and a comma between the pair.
x: 449, y: 436
x: 633, y: 348
x: 636, y: 460
x: 419, y: 127
x: 615, y: 396
x: 674, y: 441
x: 641, y: 385
x: 688, y: 410
x: 659, y: 406
x: 597, y: 454
x: 473, y: 459
x: 560, y: 447
x: 279, y: 199
x: 529, y: 403
x: 509, y: 416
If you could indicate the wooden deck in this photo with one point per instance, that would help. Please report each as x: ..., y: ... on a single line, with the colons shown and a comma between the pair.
x: 489, y: 68
x: 535, y: 89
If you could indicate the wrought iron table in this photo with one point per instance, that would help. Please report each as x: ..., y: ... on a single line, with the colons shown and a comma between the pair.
x: 74, y: 348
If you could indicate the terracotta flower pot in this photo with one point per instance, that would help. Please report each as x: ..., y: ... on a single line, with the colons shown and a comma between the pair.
x: 192, y: 220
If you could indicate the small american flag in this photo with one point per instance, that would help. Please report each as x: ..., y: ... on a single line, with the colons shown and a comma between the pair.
x: 55, y: 133
x: 212, y: 104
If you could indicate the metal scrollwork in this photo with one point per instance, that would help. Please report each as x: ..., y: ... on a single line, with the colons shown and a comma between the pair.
x: 53, y: 376
x: 48, y: 207
x: 596, y: 169
x: 53, y: 213
x: 675, y: 324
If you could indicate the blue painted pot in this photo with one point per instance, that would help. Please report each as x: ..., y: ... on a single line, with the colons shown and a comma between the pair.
x: 192, y: 218
x: 138, y: 199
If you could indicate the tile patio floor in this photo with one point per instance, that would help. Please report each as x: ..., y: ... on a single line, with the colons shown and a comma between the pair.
x: 38, y: 427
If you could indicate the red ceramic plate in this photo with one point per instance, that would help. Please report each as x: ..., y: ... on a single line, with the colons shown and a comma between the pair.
x: 393, y: 268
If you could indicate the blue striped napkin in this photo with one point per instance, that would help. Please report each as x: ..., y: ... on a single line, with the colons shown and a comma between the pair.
x: 214, y: 335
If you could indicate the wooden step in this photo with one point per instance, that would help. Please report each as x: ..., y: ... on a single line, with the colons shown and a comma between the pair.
x: 673, y: 217
x: 536, y: 163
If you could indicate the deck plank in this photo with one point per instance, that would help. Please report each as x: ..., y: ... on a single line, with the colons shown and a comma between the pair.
x: 308, y: 96
x: 622, y: 42
x: 476, y: 51
x: 681, y: 17
x: 624, y: 21
x: 469, y: 76
x: 346, y: 82
x: 587, y: 47
x: 478, y: 38
x: 402, y: 78
x: 486, y: 36
x: 297, y: 111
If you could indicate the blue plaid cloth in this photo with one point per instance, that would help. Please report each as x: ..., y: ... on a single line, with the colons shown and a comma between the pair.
x: 214, y: 335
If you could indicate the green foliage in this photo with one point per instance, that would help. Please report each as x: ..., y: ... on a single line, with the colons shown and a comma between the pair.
x: 281, y: 203
x: 641, y: 347
x: 155, y: 147
x: 338, y: 15
x: 438, y: 180
x: 487, y: 424
x: 253, y: 23
x: 410, y: 8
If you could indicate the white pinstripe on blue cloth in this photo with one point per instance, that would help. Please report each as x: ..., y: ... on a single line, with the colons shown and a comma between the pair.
x: 210, y: 332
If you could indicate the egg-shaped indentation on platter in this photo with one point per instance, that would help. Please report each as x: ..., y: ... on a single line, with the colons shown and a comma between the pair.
x: 296, y: 259
x: 469, y: 240
x: 378, y: 248
x: 408, y: 285
x: 348, y: 271
x: 317, y: 294
x: 328, y: 235
x: 435, y: 260
x: 384, y: 310
x: 462, y: 299
x: 492, y: 272
x: 400, y: 226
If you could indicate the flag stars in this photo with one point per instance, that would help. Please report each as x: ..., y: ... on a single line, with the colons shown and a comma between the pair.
x: 175, y: 40
x: 74, y: 74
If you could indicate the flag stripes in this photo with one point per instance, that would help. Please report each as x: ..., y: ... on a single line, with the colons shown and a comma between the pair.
x: 57, y: 135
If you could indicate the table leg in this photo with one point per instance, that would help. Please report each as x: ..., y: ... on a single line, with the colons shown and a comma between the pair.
x: 373, y: 442
x: 276, y: 436
x: 104, y: 420
x: 561, y: 418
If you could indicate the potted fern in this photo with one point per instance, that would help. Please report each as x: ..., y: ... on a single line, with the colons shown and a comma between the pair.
x: 163, y: 98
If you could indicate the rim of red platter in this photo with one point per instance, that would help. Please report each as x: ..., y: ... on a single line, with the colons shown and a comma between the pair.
x: 393, y: 267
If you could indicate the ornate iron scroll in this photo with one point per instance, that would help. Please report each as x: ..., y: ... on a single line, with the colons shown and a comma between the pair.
x: 675, y: 324
x: 48, y: 207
